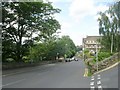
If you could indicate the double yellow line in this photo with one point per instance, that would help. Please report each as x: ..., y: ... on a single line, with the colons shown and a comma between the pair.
x: 86, y: 72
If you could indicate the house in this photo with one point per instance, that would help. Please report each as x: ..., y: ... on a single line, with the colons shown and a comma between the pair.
x: 91, y: 43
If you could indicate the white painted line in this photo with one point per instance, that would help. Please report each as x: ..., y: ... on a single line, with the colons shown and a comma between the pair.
x: 13, y: 73
x: 99, y: 86
x: 98, y: 82
x: 91, y: 83
x: 92, y: 79
x: 92, y: 88
x: 98, y: 75
x: 98, y: 78
x: 13, y: 82
x: 50, y: 64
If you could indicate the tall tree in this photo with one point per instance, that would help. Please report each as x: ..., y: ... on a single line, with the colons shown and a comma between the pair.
x: 23, y: 19
x: 108, y: 27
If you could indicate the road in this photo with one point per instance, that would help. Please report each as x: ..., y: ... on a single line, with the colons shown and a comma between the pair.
x: 60, y: 75
x: 108, y: 80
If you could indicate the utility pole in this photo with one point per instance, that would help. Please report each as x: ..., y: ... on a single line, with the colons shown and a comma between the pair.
x: 97, y: 56
x: 83, y: 49
x: 112, y: 43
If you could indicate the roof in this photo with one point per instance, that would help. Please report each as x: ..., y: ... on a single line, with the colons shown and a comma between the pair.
x: 92, y: 37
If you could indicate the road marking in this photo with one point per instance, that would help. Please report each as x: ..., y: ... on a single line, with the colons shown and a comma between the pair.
x: 50, y: 64
x: 86, y: 72
x: 98, y: 82
x: 13, y: 73
x: 13, y: 82
x: 91, y: 83
x: 98, y: 77
x: 99, y: 87
x: 92, y: 87
x: 92, y: 78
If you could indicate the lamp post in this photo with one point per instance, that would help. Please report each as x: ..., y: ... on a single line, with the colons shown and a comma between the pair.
x: 65, y: 51
x: 83, y: 50
x: 57, y: 55
x: 97, y: 56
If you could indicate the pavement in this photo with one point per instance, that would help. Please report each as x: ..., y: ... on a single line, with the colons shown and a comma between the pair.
x: 59, y: 75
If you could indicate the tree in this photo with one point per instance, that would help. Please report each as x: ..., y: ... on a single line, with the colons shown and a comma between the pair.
x: 22, y: 20
x: 67, y: 46
x: 108, y: 28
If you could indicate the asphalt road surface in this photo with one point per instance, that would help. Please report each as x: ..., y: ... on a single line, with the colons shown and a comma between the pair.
x: 108, y: 80
x: 60, y: 75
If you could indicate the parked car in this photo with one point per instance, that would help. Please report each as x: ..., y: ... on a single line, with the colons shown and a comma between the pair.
x: 71, y: 59
x: 76, y: 59
x: 67, y: 60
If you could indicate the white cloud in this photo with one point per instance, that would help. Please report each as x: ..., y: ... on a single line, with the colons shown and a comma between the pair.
x: 100, y: 8
x: 79, y: 9
x: 58, y: 1
x: 65, y: 27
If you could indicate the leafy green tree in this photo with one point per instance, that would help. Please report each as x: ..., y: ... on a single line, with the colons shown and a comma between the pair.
x: 109, y: 27
x: 67, y: 46
x: 22, y: 20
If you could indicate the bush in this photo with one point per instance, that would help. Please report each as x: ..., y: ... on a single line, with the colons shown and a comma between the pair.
x: 102, y: 56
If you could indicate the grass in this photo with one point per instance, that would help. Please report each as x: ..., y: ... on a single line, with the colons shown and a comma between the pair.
x: 89, y: 73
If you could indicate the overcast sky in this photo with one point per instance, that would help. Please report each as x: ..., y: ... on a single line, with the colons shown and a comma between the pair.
x: 78, y: 18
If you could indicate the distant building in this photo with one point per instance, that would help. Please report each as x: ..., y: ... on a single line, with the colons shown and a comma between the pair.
x: 90, y: 42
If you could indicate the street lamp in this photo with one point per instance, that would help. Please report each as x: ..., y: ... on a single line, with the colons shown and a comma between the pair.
x: 83, y: 49
x: 65, y: 51
x: 97, y: 56
x: 57, y: 55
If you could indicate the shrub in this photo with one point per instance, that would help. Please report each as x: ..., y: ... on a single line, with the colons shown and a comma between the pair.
x: 102, y: 56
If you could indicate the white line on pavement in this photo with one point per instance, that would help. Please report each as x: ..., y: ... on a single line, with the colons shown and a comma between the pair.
x: 13, y: 82
x: 99, y: 87
x: 98, y: 82
x: 92, y: 87
x: 91, y: 83
x: 99, y: 77
x: 92, y: 78
x: 26, y: 70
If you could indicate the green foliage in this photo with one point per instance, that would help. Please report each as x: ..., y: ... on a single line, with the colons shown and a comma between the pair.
x: 102, y: 56
x: 109, y: 28
x: 22, y: 20
x: 52, y: 49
